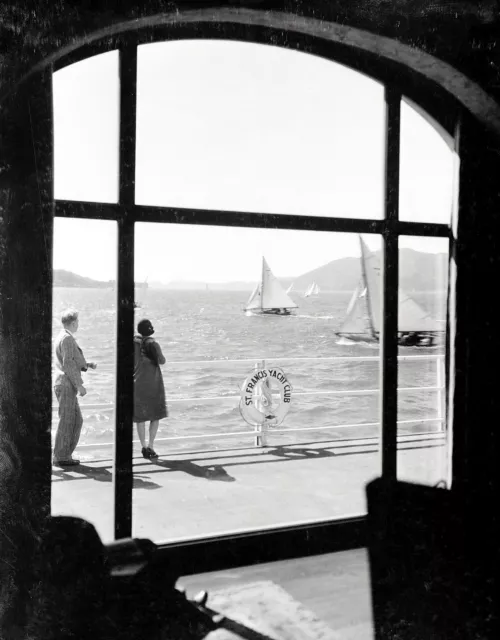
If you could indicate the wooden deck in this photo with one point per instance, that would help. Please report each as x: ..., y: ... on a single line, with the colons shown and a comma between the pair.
x: 191, y: 495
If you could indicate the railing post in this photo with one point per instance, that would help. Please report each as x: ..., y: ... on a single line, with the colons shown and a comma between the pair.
x: 261, y: 437
x: 261, y: 429
x: 441, y: 391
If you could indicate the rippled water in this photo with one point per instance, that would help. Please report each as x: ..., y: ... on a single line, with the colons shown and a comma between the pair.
x: 197, y: 328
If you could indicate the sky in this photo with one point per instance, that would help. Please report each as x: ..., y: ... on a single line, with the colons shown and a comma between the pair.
x: 243, y: 127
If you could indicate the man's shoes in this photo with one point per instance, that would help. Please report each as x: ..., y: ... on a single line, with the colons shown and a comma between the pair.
x: 72, y: 462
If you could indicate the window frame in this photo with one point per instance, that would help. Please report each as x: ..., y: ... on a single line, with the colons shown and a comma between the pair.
x: 399, y: 81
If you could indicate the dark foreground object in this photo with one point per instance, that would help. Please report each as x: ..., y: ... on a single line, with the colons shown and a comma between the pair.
x: 432, y: 576
x: 88, y: 590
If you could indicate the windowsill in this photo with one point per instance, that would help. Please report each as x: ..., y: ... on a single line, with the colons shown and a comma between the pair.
x: 335, y: 587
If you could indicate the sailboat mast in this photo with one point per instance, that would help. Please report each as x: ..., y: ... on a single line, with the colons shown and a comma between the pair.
x: 365, y: 281
x: 262, y: 283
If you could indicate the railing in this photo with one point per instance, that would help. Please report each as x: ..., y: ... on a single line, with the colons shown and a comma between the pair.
x: 260, y: 434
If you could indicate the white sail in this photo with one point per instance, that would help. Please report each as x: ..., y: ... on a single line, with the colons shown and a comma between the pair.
x: 412, y: 317
x: 312, y: 290
x: 273, y: 294
x: 255, y: 299
x: 269, y: 294
x: 290, y: 288
x: 370, y: 271
x: 357, y: 316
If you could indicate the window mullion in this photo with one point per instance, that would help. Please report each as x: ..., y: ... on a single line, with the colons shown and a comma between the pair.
x: 390, y: 284
x: 124, y: 403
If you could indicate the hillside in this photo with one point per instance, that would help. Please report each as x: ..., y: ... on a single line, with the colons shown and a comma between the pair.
x: 64, y: 278
x: 418, y: 272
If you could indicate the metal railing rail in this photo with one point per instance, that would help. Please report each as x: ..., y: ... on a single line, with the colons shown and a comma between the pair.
x: 230, y: 434
x: 108, y: 406
x: 402, y: 358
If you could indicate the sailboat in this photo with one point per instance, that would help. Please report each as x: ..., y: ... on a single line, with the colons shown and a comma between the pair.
x: 312, y: 290
x: 416, y: 327
x: 269, y: 297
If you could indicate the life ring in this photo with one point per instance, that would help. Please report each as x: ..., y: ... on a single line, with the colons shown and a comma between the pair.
x: 257, y: 403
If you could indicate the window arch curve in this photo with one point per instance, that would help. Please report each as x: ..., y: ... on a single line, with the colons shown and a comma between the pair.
x: 380, y: 56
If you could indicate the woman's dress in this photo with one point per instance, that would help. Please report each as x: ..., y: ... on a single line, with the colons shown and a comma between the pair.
x: 149, y: 391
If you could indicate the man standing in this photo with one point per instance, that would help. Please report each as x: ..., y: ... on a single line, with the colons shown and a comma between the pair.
x: 68, y: 383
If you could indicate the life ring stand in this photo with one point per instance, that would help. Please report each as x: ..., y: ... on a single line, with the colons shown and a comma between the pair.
x: 257, y: 405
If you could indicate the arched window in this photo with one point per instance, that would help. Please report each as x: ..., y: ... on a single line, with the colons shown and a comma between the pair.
x: 209, y: 155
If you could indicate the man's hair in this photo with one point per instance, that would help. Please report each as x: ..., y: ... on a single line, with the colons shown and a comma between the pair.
x: 69, y: 316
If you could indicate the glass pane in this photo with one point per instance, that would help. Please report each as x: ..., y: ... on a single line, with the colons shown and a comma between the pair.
x: 427, y: 160
x: 86, y: 129
x: 247, y: 127
x: 422, y: 437
x: 210, y: 299
x: 84, y: 274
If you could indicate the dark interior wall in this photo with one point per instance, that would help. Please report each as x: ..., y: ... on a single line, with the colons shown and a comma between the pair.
x: 25, y: 328
x: 461, y: 33
x: 477, y: 345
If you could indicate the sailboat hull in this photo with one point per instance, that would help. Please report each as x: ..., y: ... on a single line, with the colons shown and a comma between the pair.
x: 405, y: 339
x: 271, y: 312
x: 357, y: 337
x: 420, y: 339
x: 268, y: 312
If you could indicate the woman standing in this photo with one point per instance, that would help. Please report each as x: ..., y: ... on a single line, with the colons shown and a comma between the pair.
x: 149, y: 391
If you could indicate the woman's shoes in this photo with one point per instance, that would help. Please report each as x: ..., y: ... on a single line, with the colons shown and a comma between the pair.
x: 148, y: 453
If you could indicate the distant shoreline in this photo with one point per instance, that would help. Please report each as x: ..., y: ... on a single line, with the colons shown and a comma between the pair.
x: 420, y: 273
x: 230, y: 289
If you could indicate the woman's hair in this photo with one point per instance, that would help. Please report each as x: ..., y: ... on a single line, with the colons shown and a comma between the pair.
x: 145, y: 328
x: 69, y: 316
